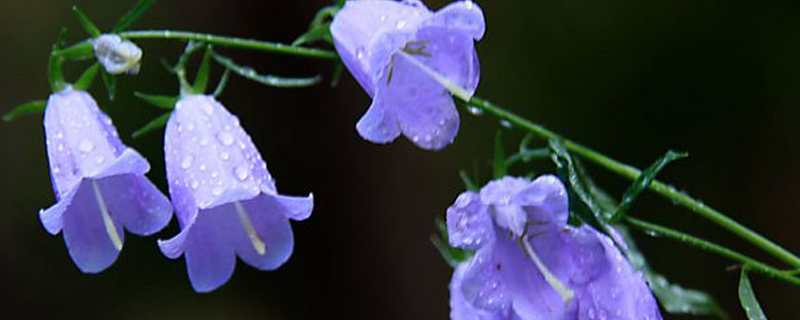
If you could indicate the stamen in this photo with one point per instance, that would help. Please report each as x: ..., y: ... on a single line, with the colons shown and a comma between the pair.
x: 455, y: 90
x: 111, y: 229
x: 258, y: 244
x: 565, y: 293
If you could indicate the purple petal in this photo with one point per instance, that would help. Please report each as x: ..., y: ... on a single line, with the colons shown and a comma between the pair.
x: 378, y: 125
x: 208, y: 246
x: 357, y: 24
x: 295, y: 208
x: 81, y: 139
x: 545, y: 201
x: 88, y: 237
x: 53, y: 218
x: 469, y: 225
x: 136, y: 203
x: 463, y: 16
x: 450, y: 54
x: 268, y: 218
x: 460, y: 309
x: 483, y: 285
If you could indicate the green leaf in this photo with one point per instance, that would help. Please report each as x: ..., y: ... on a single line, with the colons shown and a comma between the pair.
x: 567, y: 169
x: 131, y: 16
x: 87, y: 24
x: 24, y: 109
x: 222, y: 83
x: 318, y: 33
x: 87, y: 77
x: 643, y: 182
x: 164, y: 102
x: 157, y: 123
x: 201, y: 79
x: 674, y: 298
x: 453, y: 256
x: 468, y: 181
x: 269, y: 80
x: 111, y: 85
x: 336, y: 75
x: 499, y: 163
x: 748, y: 298
x: 77, y: 52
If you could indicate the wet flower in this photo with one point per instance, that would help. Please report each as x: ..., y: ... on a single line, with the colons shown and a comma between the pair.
x: 530, y: 264
x: 226, y: 201
x: 116, y: 54
x: 99, y: 183
x: 409, y: 60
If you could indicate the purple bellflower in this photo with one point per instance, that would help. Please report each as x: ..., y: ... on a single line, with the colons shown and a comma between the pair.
x: 99, y: 183
x: 409, y: 60
x: 226, y: 201
x: 529, y: 264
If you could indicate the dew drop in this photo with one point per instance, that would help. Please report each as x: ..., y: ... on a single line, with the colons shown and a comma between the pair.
x: 202, y: 167
x: 187, y: 162
x: 86, y: 146
x: 214, y: 174
x: 195, y: 184
x: 400, y: 24
x: 207, y: 108
x: 506, y: 124
x: 226, y: 138
x: 100, y: 159
x: 360, y: 53
x: 224, y: 155
x: 59, y: 135
x: 241, y: 172
x: 216, y: 191
x: 475, y: 110
x: 383, y: 18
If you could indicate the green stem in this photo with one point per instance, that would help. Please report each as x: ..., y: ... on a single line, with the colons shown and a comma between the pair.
x: 632, y: 173
x: 232, y: 42
x: 750, y: 263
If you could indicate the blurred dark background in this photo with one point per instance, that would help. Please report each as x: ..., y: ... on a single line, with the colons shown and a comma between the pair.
x: 720, y: 79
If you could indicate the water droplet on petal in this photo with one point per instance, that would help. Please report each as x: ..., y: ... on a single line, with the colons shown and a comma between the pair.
x: 207, y: 108
x: 100, y: 159
x: 241, y: 172
x: 187, y: 162
x: 195, y: 184
x: 224, y: 155
x: 86, y: 146
x: 226, y: 138
x: 216, y: 191
x: 400, y: 24
x: 59, y: 135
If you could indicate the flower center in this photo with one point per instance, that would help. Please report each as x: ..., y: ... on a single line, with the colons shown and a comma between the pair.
x: 565, y: 293
x: 111, y: 229
x: 244, y: 218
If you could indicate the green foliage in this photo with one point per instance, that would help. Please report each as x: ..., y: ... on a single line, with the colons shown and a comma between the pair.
x: 468, y: 184
x: 131, y: 16
x: 222, y: 83
x: 201, y: 79
x: 453, y: 256
x: 643, y: 182
x: 748, y: 298
x: 499, y: 163
x: 269, y: 80
x: 111, y: 85
x: 157, y: 123
x: 567, y: 170
x: 164, y: 102
x: 87, y: 24
x: 77, y: 52
x: 87, y: 77
x: 28, y: 108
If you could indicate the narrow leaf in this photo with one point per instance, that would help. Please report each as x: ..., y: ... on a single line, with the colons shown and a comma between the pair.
x: 157, y: 123
x: 336, y: 75
x: 222, y: 83
x: 80, y: 51
x: 131, y: 16
x: 567, y: 170
x: 499, y: 162
x: 748, y: 298
x: 24, y: 109
x: 453, y: 256
x: 87, y: 77
x: 164, y: 102
x: 269, y: 80
x: 643, y: 182
x: 467, y: 181
x: 201, y: 79
x: 111, y: 85
x: 318, y: 33
x: 87, y: 24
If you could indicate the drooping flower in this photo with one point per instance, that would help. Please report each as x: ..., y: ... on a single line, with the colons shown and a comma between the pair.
x: 99, y: 182
x: 409, y: 60
x: 530, y: 264
x: 117, y: 55
x: 226, y: 201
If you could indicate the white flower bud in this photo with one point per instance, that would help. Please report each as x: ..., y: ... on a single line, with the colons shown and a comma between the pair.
x: 117, y: 55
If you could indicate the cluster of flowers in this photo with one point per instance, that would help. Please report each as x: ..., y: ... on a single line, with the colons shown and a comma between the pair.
x: 529, y: 264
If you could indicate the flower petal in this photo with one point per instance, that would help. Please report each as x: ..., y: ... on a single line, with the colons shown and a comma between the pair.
x: 86, y: 234
x: 53, y: 218
x: 469, y: 225
x: 545, y: 201
x: 460, y: 309
x: 449, y: 54
x: 483, y: 286
x: 464, y: 16
x: 137, y: 204
x: 268, y: 218
x: 378, y: 125
x: 210, y: 257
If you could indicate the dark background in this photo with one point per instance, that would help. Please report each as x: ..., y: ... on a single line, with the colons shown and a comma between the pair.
x: 720, y: 79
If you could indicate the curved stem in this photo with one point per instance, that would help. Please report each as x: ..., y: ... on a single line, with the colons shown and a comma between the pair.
x: 251, y: 44
x: 751, y: 263
x: 632, y: 173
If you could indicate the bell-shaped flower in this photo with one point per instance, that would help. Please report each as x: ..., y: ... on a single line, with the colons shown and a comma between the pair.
x: 410, y: 60
x: 226, y: 201
x: 530, y: 264
x: 99, y: 182
x: 117, y: 55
